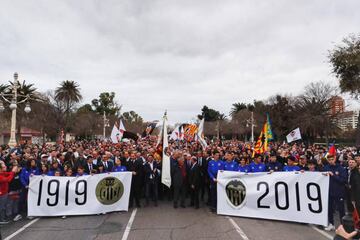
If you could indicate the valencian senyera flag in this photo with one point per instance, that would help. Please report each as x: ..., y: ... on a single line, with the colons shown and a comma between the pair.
x: 190, y: 131
x: 266, y: 135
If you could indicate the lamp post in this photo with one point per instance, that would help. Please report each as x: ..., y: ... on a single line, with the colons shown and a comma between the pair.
x: 11, y: 98
x: 106, y: 124
x: 252, y: 124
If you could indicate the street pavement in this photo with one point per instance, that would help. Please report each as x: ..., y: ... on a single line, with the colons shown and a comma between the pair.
x: 162, y: 222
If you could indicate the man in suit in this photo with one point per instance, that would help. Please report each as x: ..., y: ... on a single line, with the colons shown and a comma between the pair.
x: 152, y: 174
x: 135, y: 166
x: 354, y: 186
x: 194, y: 183
x: 178, y: 174
x: 90, y: 166
x: 108, y: 165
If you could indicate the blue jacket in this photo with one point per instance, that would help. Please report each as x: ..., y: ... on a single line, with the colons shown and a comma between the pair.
x: 213, y: 168
x: 244, y: 169
x: 291, y: 168
x: 230, y: 166
x: 119, y: 169
x: 25, y: 175
x: 257, y: 167
x: 338, y: 181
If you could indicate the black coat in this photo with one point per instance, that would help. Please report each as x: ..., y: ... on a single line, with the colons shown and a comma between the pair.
x: 194, y: 176
x: 150, y: 175
x: 87, y: 170
x: 354, y: 183
x: 110, y: 166
x: 135, y: 166
x: 176, y: 176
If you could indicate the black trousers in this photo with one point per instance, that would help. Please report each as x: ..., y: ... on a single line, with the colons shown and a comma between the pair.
x: 336, y: 203
x: 213, y: 194
x: 180, y: 194
x: 194, y: 197
x: 135, y: 192
x: 151, y: 189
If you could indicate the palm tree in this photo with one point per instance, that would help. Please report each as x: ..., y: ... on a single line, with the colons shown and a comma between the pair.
x: 237, y: 107
x: 3, y: 88
x: 69, y: 94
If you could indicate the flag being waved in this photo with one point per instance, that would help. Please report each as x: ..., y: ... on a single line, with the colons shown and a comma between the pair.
x: 200, y: 135
x: 266, y: 135
x: 117, y: 132
x: 293, y: 135
x: 149, y: 129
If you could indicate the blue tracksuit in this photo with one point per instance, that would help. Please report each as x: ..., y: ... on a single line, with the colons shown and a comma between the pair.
x: 337, y: 191
x: 213, y: 168
x: 260, y: 167
x: 119, y: 169
x: 25, y: 175
x: 244, y: 169
x: 230, y: 166
x: 291, y: 168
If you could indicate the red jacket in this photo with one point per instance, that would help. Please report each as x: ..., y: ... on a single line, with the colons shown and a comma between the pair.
x: 5, y: 178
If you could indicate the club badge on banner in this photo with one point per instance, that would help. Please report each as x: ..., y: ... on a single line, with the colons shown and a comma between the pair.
x: 92, y: 194
x: 288, y: 196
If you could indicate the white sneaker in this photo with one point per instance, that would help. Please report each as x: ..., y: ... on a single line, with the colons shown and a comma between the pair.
x: 17, y: 218
x: 330, y: 227
x: 30, y: 218
x: 63, y: 217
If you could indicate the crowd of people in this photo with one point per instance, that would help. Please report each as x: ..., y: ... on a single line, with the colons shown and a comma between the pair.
x: 193, y: 169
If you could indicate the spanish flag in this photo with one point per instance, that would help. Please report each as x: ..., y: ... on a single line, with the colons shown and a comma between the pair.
x: 266, y: 135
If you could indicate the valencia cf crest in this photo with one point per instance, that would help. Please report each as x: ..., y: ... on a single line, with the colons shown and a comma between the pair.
x: 236, y: 192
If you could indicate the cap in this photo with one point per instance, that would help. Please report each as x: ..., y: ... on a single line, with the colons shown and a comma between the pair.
x: 44, y: 155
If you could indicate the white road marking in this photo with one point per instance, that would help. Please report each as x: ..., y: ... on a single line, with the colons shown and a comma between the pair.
x: 21, y: 229
x: 238, y: 229
x: 128, y: 226
x: 325, y: 234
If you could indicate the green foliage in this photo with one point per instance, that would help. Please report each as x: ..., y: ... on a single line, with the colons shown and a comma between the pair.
x: 237, y: 107
x: 86, y: 108
x: 132, y: 117
x: 345, y: 60
x: 69, y: 93
x: 211, y: 114
x: 106, y: 103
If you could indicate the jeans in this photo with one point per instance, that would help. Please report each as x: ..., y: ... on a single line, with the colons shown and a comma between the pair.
x: 12, y: 206
x: 3, y: 203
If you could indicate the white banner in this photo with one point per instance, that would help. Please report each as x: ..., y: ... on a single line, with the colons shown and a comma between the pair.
x: 288, y: 196
x: 92, y: 194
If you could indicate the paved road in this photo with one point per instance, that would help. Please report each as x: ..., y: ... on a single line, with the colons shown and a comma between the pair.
x: 163, y: 222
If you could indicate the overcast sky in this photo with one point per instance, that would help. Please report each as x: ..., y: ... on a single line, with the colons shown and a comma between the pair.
x: 174, y: 55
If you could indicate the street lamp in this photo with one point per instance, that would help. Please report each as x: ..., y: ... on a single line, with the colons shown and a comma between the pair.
x: 11, y: 98
x: 106, y: 124
x: 252, y: 124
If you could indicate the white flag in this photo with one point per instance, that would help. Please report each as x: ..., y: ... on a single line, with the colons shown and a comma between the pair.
x: 115, y: 133
x: 166, y: 174
x: 199, y: 134
x: 121, y: 130
x: 175, y: 134
x: 293, y: 135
